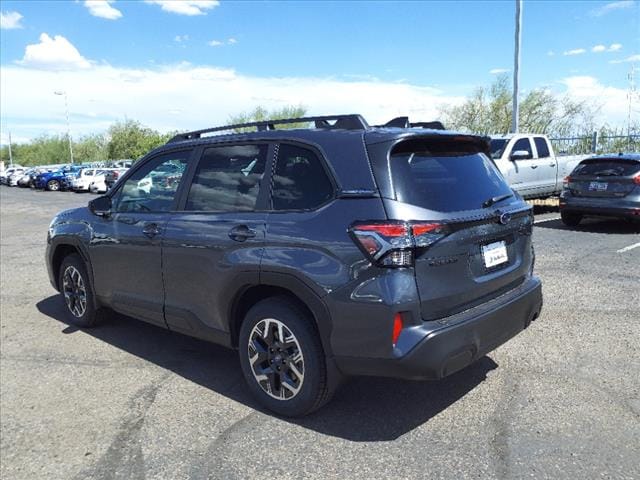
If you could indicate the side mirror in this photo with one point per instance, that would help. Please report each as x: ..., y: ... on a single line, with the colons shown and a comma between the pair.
x: 520, y: 155
x: 101, y: 206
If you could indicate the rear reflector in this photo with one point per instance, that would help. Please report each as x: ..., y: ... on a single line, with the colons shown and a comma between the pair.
x: 397, y: 328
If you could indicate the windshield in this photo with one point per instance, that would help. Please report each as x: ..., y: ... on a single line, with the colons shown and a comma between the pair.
x: 445, y: 179
x: 497, y: 147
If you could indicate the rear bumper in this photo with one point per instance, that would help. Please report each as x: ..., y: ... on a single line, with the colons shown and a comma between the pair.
x: 463, y: 339
x: 609, y: 207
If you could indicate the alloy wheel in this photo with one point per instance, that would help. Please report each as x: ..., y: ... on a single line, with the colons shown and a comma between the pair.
x: 276, y: 359
x: 75, y: 293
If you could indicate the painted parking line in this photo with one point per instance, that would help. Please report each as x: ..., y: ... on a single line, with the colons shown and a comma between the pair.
x: 630, y: 247
x: 546, y: 220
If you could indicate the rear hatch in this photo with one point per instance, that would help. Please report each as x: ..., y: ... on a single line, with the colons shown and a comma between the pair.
x: 603, y: 178
x: 481, y: 245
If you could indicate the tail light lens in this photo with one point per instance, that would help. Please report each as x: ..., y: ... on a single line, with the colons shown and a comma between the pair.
x: 565, y: 181
x: 393, y: 244
x: 636, y: 179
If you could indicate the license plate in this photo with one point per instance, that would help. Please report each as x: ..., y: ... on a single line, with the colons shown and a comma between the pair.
x: 598, y: 186
x: 494, y: 254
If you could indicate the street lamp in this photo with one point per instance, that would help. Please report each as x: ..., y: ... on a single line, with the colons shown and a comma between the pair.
x: 66, y: 110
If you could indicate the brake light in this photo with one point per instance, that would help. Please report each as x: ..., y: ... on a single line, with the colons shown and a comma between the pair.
x: 636, y: 179
x: 392, y: 244
x: 566, y: 181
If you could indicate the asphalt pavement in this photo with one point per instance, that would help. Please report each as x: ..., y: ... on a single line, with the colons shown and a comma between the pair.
x: 129, y: 400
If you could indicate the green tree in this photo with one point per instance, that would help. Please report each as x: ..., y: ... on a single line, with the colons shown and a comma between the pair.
x: 260, y: 114
x: 489, y: 110
x: 91, y: 148
x: 131, y: 139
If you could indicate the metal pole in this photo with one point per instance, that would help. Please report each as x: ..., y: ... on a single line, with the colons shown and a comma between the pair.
x: 516, y: 69
x: 10, y: 154
x: 66, y: 112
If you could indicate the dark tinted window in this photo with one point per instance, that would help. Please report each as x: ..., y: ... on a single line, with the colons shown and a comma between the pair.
x: 522, y: 144
x: 152, y: 188
x: 497, y: 147
x: 300, y: 181
x: 443, y: 179
x: 228, y: 179
x: 542, y: 147
x: 607, y: 167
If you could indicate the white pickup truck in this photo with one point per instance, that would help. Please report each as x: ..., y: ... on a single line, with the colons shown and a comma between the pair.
x: 530, y: 165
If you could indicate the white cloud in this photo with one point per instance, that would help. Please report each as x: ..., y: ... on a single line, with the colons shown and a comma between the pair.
x: 185, y: 7
x: 614, y: 47
x: 232, y: 41
x: 632, y: 58
x: 215, y: 43
x: 613, y: 101
x: 103, y: 9
x: 153, y: 96
x: 551, y: 53
x: 10, y: 20
x: 181, y: 38
x: 495, y: 71
x: 599, y: 48
x: 55, y: 53
x: 610, y: 7
x: 575, y: 51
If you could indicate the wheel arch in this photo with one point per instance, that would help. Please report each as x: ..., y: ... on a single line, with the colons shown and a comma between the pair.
x: 62, y: 249
x: 281, y: 285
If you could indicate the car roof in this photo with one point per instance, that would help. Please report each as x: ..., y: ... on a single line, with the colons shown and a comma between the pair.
x: 632, y: 157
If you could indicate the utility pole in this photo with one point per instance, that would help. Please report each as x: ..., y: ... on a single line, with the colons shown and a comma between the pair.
x: 516, y: 69
x: 66, y: 111
x: 10, y: 154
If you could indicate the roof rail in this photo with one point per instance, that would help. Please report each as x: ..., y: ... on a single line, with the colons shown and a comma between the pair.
x: 346, y: 122
x: 403, y: 122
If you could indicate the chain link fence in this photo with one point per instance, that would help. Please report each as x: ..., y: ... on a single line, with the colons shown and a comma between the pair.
x: 596, y: 143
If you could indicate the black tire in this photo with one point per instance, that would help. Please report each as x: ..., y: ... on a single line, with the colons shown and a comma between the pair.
x: 571, y: 219
x: 315, y: 388
x: 85, y: 317
x: 53, y: 185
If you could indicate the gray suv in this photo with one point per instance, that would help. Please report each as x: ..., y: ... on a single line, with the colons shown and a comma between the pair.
x: 321, y: 252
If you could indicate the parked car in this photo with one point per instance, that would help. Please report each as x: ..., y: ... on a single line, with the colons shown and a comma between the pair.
x: 605, y: 185
x: 12, y: 179
x: 27, y: 178
x: 82, y: 179
x: 342, y: 249
x: 530, y: 165
x: 98, y: 184
x: 53, y: 181
x: 112, y: 176
x: 5, y: 174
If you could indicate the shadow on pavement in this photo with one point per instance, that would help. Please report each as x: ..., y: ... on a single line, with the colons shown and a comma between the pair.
x: 595, y: 225
x: 364, y: 409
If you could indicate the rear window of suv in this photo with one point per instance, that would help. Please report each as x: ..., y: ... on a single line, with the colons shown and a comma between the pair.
x: 445, y: 176
x: 607, y: 168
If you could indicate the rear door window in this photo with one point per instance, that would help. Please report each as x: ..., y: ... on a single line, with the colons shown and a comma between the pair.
x: 300, y: 181
x: 444, y: 177
x: 228, y: 179
x: 541, y: 147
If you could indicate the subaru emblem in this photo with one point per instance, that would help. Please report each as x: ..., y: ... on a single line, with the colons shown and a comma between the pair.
x: 505, y: 218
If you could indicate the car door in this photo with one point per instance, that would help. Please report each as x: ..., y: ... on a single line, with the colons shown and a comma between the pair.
x: 213, y: 246
x: 524, y: 176
x: 547, y: 166
x: 125, y: 249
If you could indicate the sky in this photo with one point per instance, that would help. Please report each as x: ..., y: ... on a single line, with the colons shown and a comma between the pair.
x: 189, y: 64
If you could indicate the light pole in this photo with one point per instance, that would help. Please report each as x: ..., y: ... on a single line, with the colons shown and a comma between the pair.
x: 66, y: 110
x: 516, y: 69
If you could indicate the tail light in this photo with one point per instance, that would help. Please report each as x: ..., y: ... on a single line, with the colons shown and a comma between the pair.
x: 636, y: 179
x: 566, y: 180
x: 393, y: 244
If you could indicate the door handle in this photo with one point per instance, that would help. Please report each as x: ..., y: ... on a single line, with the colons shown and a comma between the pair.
x: 241, y: 233
x: 534, y: 166
x: 151, y: 230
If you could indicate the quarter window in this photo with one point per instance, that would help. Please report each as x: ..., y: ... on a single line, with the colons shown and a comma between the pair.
x: 228, y: 179
x: 152, y: 188
x: 542, y: 147
x: 300, y: 182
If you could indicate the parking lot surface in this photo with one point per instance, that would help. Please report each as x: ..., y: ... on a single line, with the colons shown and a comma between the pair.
x: 129, y: 400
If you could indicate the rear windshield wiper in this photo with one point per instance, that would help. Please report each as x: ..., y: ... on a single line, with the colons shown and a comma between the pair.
x: 499, y: 198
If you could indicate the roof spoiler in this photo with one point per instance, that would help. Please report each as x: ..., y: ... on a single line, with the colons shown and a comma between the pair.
x: 403, y: 122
